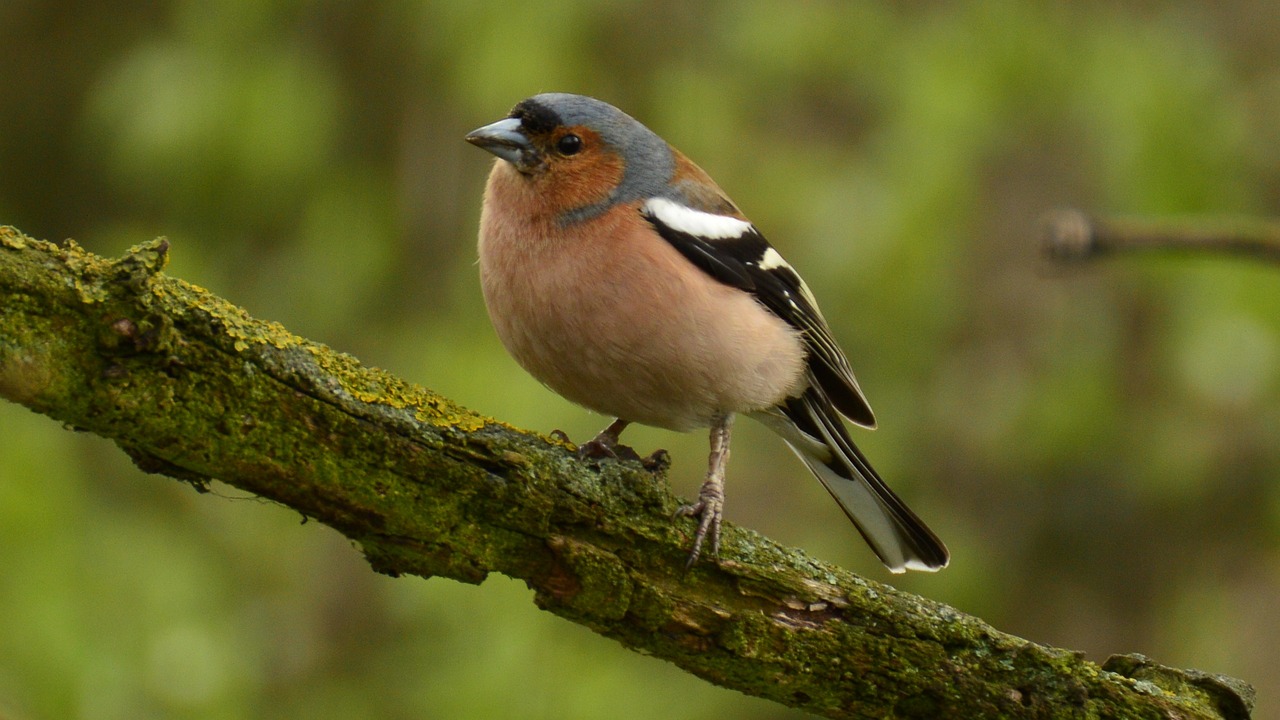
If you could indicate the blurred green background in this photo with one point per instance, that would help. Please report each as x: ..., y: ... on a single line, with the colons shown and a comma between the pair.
x: 1100, y: 447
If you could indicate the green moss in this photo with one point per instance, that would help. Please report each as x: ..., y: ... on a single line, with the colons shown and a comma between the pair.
x: 27, y: 376
x: 601, y: 586
x: 1233, y: 698
x: 651, y: 607
x: 225, y: 318
x: 11, y: 238
x: 378, y: 387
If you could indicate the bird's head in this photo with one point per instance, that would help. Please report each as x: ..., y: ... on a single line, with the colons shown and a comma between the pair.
x: 582, y: 154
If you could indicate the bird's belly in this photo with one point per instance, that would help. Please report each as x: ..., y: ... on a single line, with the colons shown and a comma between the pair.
x: 646, y: 344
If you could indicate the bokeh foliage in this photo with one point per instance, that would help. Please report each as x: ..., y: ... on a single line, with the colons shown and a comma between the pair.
x: 1100, y: 448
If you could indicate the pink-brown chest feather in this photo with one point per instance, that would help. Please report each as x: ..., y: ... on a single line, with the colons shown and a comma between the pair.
x: 612, y: 317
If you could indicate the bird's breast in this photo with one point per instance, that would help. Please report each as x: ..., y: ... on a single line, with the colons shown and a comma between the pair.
x: 611, y: 317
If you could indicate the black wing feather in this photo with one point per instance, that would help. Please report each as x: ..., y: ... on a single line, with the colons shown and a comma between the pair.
x: 736, y: 262
x: 725, y: 260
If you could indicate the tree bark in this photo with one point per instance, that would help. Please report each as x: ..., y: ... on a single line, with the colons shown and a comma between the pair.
x: 192, y: 387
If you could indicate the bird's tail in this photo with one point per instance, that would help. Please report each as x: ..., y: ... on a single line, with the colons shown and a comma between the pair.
x: 813, y: 429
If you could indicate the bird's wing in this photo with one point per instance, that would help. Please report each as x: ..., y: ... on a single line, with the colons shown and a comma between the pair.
x: 733, y: 251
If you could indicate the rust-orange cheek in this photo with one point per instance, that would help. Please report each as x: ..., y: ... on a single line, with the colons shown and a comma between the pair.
x: 583, y: 179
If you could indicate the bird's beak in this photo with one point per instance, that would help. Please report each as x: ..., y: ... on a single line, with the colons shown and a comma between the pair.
x: 507, y: 140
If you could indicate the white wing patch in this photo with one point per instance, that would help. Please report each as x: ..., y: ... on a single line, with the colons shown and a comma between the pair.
x: 772, y: 260
x: 695, y: 222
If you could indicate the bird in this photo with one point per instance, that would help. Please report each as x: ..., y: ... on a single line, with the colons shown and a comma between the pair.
x: 618, y: 274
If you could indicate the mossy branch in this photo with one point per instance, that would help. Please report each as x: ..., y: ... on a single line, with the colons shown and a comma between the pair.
x: 192, y: 387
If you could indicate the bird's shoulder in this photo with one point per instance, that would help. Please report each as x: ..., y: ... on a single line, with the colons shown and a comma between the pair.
x: 700, y: 221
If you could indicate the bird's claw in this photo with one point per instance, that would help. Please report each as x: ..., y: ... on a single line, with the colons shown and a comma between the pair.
x: 605, y: 444
x: 657, y: 461
x: 709, y: 510
x: 598, y: 449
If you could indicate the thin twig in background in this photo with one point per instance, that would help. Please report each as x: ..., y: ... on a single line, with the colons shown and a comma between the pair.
x: 1074, y: 236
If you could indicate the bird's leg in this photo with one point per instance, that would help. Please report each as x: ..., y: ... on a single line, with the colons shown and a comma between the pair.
x: 710, y: 506
x: 605, y: 444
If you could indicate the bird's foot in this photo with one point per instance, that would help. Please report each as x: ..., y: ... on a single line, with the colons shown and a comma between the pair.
x: 606, y: 445
x: 597, y: 449
x: 709, y: 510
x: 657, y: 461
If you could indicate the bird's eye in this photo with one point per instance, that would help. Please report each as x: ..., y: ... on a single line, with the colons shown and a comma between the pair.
x: 569, y: 144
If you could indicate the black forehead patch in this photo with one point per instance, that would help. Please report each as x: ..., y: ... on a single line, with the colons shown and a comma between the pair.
x: 536, y: 117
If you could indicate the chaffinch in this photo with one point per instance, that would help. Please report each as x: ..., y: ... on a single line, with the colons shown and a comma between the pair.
x: 621, y: 276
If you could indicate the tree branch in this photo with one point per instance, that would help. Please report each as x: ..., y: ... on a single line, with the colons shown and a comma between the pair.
x: 1072, y: 236
x: 194, y: 388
